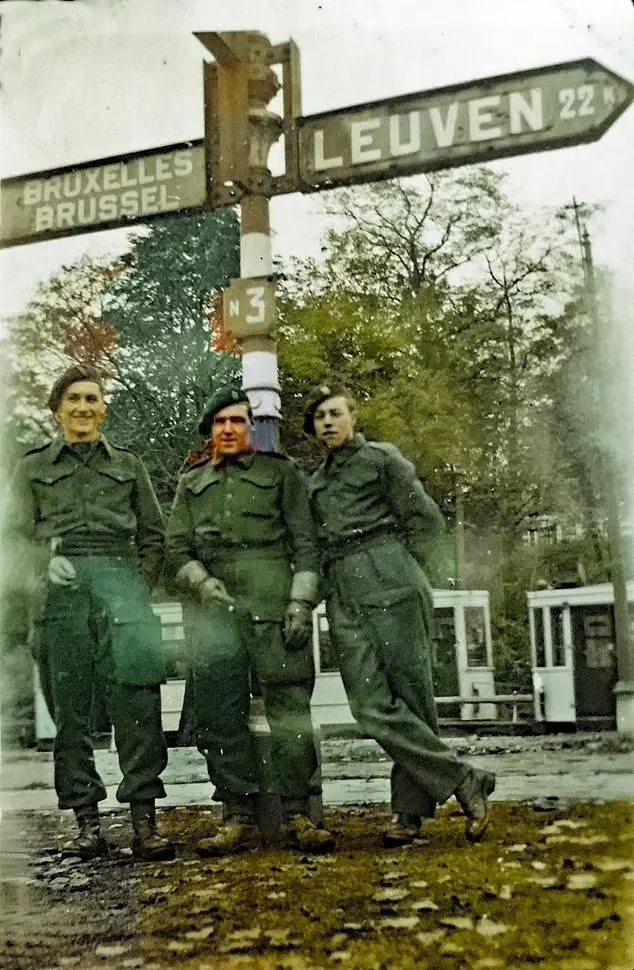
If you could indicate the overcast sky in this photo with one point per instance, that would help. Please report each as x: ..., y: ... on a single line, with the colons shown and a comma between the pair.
x: 94, y: 78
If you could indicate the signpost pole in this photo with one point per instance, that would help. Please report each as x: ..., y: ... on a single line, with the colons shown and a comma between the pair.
x: 241, y: 133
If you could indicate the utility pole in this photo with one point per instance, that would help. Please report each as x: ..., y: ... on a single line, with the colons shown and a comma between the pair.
x: 240, y: 132
x: 624, y: 688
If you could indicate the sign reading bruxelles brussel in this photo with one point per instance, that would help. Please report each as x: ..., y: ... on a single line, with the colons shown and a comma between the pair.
x: 105, y: 194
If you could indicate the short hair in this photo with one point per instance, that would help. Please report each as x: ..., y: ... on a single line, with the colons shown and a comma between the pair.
x: 320, y: 394
x: 73, y: 374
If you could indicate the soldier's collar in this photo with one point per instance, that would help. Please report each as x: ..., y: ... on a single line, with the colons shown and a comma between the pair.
x: 59, y: 445
x: 346, y: 451
x: 245, y: 460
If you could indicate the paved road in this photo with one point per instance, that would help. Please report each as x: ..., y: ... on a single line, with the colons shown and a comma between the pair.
x: 583, y: 768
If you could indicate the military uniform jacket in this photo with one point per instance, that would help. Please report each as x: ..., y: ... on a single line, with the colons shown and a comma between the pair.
x: 247, y: 519
x: 104, y: 505
x: 367, y: 489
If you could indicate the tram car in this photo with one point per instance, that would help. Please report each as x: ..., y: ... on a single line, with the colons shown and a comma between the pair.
x: 573, y: 653
x: 462, y: 663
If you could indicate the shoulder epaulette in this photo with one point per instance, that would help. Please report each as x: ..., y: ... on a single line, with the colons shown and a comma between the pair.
x: 37, y: 448
x: 384, y: 446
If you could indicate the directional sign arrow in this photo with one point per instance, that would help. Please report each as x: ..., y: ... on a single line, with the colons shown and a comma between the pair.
x: 513, y: 114
x: 104, y: 194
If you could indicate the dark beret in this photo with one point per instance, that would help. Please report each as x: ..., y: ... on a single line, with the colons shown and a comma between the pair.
x: 223, y: 398
x: 316, y: 397
x: 73, y: 374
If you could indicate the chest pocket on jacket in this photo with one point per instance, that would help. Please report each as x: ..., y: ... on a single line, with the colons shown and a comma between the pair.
x: 361, y: 475
x: 259, y: 495
x: 52, y: 488
x: 113, y: 486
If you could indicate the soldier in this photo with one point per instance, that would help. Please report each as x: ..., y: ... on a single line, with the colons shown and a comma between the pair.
x: 241, y: 547
x: 376, y: 526
x: 88, y: 522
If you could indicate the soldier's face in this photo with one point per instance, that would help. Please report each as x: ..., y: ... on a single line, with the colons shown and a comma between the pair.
x: 81, y: 411
x: 334, y: 422
x: 231, y: 430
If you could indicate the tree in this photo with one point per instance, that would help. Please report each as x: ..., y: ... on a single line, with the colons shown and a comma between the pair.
x: 62, y: 324
x: 162, y: 309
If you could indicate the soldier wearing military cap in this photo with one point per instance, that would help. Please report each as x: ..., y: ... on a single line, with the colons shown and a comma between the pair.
x: 376, y: 526
x: 242, y: 549
x: 90, y: 530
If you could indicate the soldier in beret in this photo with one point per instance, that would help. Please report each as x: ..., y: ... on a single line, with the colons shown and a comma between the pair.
x: 88, y: 526
x: 376, y: 526
x: 242, y: 549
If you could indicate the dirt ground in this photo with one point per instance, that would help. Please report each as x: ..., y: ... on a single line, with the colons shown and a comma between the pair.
x: 551, y: 887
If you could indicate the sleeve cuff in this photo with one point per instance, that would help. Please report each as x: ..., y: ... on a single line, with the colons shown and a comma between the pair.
x: 305, y: 587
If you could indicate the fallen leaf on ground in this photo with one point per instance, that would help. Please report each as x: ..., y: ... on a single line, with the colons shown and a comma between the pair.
x: 422, y: 905
x: 487, y: 927
x: 111, y: 950
x: 281, y: 939
x: 202, y: 934
x: 389, y: 877
x: 612, y: 865
x: 427, y: 939
x: 581, y: 880
x: 458, y: 922
x: 390, y: 895
x: 399, y: 923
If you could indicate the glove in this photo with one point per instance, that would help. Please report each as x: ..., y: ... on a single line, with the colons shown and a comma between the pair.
x: 61, y: 571
x: 213, y: 590
x: 298, y: 625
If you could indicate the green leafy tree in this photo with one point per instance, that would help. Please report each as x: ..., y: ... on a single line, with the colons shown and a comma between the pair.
x: 161, y: 308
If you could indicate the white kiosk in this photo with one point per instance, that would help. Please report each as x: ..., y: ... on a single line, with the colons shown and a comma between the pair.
x: 573, y: 652
x: 462, y: 660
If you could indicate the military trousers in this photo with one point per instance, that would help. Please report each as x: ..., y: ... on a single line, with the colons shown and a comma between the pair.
x: 379, y: 614
x: 84, y: 633
x: 226, y: 645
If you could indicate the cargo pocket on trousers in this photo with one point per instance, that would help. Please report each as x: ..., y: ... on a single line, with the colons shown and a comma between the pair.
x: 274, y: 664
x: 136, y: 644
x: 393, y: 619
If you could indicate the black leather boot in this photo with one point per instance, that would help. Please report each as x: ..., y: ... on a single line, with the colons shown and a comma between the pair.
x: 147, y: 844
x: 473, y: 797
x: 89, y: 842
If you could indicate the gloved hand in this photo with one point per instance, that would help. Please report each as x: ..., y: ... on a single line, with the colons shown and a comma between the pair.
x: 298, y: 625
x: 61, y: 571
x: 211, y: 590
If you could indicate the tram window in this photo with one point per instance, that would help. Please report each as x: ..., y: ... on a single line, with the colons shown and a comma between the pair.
x: 444, y: 643
x: 557, y: 633
x: 599, y: 646
x: 327, y: 657
x: 540, y: 644
x: 475, y: 628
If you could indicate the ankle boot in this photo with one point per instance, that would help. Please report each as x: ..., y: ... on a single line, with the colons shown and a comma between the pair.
x: 89, y: 842
x: 147, y: 844
x: 473, y: 797
x: 403, y: 829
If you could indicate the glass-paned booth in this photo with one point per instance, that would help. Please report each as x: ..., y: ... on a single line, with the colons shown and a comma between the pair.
x: 462, y: 660
x: 573, y: 651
